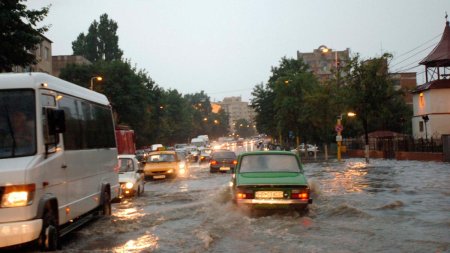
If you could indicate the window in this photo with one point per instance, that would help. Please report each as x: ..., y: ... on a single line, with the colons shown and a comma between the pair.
x: 17, y: 123
x: 46, y: 53
x: 126, y: 165
x: 421, y: 126
x: 88, y: 125
x: 269, y: 163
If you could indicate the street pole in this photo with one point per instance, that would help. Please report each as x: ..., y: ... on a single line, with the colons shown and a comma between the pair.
x: 98, y: 78
x: 339, y: 137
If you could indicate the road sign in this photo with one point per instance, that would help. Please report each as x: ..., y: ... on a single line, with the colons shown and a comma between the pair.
x: 338, y: 128
x: 338, y: 137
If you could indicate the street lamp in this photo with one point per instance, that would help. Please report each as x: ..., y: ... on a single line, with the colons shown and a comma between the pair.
x: 339, y: 128
x: 98, y: 78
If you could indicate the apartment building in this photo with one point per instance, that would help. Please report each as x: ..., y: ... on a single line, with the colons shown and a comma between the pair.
x: 43, y: 53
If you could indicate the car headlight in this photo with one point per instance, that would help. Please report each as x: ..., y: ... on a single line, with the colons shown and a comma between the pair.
x: 129, y: 185
x: 181, y: 166
x: 181, y: 171
x: 18, y: 195
x: 170, y: 171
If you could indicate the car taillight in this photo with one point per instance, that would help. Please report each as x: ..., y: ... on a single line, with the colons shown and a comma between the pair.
x: 234, y: 162
x: 213, y: 162
x: 296, y: 194
x: 245, y: 195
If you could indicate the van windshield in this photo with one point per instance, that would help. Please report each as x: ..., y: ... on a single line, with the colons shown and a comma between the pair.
x: 17, y: 123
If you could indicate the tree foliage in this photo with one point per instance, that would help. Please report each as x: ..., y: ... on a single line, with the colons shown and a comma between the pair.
x: 281, y: 105
x: 19, y: 34
x: 100, y: 43
x: 371, y: 94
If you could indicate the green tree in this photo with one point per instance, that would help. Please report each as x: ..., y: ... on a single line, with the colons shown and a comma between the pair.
x: 371, y: 94
x: 100, y: 43
x: 244, y: 129
x: 201, y: 110
x: 281, y: 106
x: 19, y: 33
x: 131, y: 92
x: 263, y: 104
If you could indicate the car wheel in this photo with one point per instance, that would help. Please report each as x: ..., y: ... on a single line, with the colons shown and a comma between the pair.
x: 211, y: 170
x: 49, y: 237
x: 106, y: 205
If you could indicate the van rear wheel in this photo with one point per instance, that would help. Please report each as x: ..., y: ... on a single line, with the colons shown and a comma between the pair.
x: 106, y: 206
x: 49, y: 237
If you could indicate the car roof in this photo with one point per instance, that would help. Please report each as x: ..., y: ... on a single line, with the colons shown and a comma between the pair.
x: 163, y: 152
x: 270, y: 152
x: 126, y: 156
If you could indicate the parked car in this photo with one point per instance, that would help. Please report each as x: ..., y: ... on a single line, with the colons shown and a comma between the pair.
x: 222, y: 161
x: 310, y: 149
x: 163, y: 164
x: 131, y: 176
x: 270, y: 179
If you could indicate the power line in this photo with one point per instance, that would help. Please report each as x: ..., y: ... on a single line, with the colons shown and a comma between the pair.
x: 418, y: 46
x: 414, y: 55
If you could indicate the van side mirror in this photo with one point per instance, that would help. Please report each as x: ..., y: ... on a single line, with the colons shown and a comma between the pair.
x: 56, y: 121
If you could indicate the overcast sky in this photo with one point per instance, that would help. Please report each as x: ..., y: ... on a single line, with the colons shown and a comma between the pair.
x: 226, y: 47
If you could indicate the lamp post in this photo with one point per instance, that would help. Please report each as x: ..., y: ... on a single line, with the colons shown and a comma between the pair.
x: 98, y: 78
x: 339, y: 128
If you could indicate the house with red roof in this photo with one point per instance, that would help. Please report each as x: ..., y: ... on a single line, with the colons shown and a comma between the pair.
x: 431, y: 100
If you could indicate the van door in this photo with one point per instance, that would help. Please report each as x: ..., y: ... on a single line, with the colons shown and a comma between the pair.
x: 52, y: 169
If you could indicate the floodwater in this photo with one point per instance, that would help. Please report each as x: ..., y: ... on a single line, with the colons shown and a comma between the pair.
x: 384, y: 206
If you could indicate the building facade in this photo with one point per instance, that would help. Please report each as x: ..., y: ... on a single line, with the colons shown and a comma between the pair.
x: 325, y: 62
x: 407, y: 82
x: 237, y: 109
x: 61, y: 61
x: 431, y: 100
x: 43, y: 53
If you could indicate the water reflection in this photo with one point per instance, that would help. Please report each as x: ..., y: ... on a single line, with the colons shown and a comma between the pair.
x: 184, y: 187
x: 127, y: 213
x: 147, y: 242
x: 350, y: 178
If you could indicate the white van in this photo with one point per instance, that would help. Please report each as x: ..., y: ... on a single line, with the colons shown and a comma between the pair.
x: 58, y: 158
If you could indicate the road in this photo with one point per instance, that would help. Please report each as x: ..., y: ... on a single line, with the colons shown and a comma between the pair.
x: 384, y: 206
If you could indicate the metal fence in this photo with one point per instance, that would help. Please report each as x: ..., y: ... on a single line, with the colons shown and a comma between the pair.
x: 393, y: 144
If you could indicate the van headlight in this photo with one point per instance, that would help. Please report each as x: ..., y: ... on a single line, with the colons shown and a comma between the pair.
x: 18, y: 195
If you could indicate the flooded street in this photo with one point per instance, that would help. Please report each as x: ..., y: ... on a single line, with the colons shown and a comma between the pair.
x: 386, y: 206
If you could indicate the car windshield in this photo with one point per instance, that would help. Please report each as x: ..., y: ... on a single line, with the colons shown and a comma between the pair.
x: 17, y: 123
x: 221, y: 155
x: 161, y: 158
x: 269, y: 163
x: 125, y: 165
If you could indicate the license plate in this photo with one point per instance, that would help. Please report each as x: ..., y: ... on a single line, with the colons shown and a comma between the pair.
x: 269, y: 194
x: 159, y: 176
x: 224, y: 168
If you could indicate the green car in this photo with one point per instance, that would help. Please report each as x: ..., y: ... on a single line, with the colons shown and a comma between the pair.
x: 270, y: 179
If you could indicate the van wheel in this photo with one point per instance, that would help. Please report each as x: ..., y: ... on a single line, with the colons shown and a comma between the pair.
x: 49, y: 238
x: 106, y: 207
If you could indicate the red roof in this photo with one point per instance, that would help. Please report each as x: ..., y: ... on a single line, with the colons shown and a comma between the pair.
x: 436, y: 84
x: 440, y: 56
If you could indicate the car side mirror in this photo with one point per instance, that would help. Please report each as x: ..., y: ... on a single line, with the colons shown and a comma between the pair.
x: 56, y: 121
